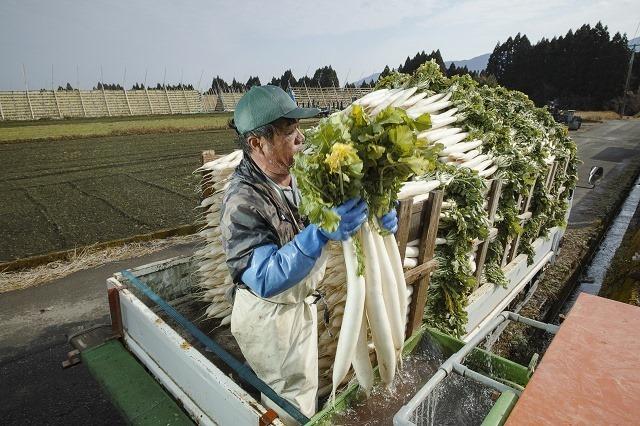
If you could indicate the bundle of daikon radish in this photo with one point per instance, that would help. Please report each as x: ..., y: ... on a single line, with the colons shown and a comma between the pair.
x: 370, y: 150
x: 417, y: 133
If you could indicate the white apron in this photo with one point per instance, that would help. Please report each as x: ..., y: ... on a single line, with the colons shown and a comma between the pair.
x: 278, y: 337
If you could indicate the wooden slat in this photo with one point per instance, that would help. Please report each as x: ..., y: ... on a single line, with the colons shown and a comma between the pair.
x: 551, y: 175
x: 420, y: 271
x: 513, y: 250
x: 494, y: 198
x: 404, y: 224
x: 431, y: 218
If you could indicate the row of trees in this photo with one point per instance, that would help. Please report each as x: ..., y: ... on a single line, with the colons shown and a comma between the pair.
x: 412, y: 64
x: 585, y: 69
x: 324, y: 77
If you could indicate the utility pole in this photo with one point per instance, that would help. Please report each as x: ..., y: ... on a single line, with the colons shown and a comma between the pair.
x: 55, y: 97
x: 627, y: 81
x: 26, y: 90
x: 84, y: 110
x: 146, y: 91
x: 124, y: 89
x: 200, y: 80
x: 164, y: 86
x: 104, y: 95
x: 321, y: 91
x: 306, y: 89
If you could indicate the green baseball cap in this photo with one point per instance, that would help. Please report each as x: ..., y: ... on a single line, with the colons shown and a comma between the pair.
x: 262, y: 105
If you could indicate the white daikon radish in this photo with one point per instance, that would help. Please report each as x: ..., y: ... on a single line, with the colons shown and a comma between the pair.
x: 410, y: 262
x: 465, y: 156
x: 376, y: 311
x: 361, y: 361
x: 480, y: 167
x: 475, y: 161
x: 403, y: 98
x: 389, y: 293
x: 352, y: 317
x: 488, y: 172
x: 415, y: 111
x: 447, y: 113
x: 413, y: 100
x: 410, y: 189
x: 376, y: 94
x: 434, y: 98
x: 444, y: 122
x: 386, y: 102
x: 411, y: 251
x: 461, y: 147
x: 434, y: 135
x: 396, y: 263
x: 453, y: 139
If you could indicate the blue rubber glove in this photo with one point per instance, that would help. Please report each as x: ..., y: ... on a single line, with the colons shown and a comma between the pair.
x: 272, y: 270
x: 389, y: 221
x: 353, y: 213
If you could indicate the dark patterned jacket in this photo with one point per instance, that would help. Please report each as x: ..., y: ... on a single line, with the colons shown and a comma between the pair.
x: 253, y: 214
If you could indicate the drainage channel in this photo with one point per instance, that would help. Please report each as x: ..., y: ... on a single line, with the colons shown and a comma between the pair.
x: 593, y: 277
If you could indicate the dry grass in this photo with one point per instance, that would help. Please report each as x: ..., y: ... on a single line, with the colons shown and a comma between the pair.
x: 84, y: 259
x: 598, y: 116
x: 110, y: 126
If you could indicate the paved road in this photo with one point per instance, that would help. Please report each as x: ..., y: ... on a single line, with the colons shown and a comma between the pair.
x: 613, y: 145
x: 34, y: 322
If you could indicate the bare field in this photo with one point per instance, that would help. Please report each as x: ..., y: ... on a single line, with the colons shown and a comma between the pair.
x: 72, y: 193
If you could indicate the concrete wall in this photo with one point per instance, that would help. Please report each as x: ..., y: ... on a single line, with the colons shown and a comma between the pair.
x: 33, y: 105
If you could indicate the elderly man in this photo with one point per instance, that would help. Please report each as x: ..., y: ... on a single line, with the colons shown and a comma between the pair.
x: 275, y: 257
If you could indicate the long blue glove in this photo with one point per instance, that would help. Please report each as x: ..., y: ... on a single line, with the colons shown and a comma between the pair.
x: 389, y: 221
x: 353, y: 213
x: 272, y: 270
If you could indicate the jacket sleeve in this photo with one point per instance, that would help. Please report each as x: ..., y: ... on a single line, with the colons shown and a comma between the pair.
x: 243, y: 230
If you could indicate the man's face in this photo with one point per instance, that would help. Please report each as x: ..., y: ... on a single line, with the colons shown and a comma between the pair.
x: 287, y: 141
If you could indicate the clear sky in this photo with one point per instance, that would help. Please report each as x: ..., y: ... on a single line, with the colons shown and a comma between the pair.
x: 241, y: 38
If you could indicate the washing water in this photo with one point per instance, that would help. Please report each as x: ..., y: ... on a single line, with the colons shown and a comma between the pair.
x: 455, y: 401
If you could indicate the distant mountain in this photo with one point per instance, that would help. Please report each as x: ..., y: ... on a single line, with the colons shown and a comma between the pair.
x: 478, y: 63
x: 367, y: 79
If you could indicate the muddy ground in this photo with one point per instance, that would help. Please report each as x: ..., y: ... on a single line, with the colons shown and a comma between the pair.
x: 66, y: 194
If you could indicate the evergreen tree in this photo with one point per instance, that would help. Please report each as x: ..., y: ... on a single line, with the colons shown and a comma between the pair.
x: 326, y: 77
x: 252, y: 81
x: 219, y: 85
x: 584, y: 69
x: 385, y: 72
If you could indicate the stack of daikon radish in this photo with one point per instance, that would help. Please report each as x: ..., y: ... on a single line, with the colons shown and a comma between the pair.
x: 214, y: 279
